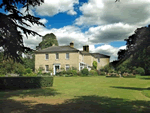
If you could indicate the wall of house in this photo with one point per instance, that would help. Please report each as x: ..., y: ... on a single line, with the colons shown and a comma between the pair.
x: 103, y: 62
x: 73, y: 60
x: 81, y: 58
x: 88, y: 59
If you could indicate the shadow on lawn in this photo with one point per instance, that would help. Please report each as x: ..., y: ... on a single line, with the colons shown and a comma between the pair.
x: 81, y: 104
x: 29, y: 92
x: 145, y: 78
x: 132, y: 88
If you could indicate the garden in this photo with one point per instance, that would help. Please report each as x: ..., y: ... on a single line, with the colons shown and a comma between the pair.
x: 94, y: 94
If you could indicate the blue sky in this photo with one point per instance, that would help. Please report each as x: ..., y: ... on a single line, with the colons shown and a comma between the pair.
x: 105, y: 23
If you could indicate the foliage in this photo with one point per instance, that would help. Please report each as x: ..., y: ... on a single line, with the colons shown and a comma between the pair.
x: 95, y: 64
x: 39, y: 71
x: 140, y: 71
x: 11, y: 39
x: 28, y: 71
x: 30, y: 74
x: 125, y: 67
x: 93, y: 72
x: 102, y: 73
x: 29, y: 61
x: 106, y: 68
x: 138, y: 49
x: 112, y: 75
x: 47, y: 41
x: 25, y: 82
x: 85, y: 72
x: 1, y: 75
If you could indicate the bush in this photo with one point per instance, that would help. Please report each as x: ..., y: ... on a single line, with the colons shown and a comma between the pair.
x: 79, y: 73
x: 140, y: 71
x: 28, y: 71
x: 102, y: 73
x: 1, y: 75
x: 93, y: 72
x: 85, y: 72
x: 74, y: 72
x: 95, y: 64
x: 30, y: 75
x: 25, y: 82
x: 107, y: 68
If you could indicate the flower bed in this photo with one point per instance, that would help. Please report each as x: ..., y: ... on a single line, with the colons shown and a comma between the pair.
x: 127, y: 75
x: 113, y: 75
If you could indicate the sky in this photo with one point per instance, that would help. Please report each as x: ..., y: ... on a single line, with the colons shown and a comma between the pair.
x: 102, y: 24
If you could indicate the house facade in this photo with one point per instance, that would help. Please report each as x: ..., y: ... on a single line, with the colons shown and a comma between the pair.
x: 56, y: 58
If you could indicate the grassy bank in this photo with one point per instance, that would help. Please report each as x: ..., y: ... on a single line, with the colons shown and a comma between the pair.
x: 82, y: 94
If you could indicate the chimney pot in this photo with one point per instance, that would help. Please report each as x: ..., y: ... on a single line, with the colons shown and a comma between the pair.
x: 72, y: 44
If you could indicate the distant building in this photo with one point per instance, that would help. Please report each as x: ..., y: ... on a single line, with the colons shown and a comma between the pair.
x: 58, y: 57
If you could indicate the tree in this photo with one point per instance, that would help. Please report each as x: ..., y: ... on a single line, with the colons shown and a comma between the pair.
x: 138, y: 49
x: 11, y: 39
x: 95, y: 64
x: 121, y: 53
x: 47, y: 41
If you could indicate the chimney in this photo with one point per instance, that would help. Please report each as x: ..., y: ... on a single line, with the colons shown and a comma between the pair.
x: 72, y: 44
x: 86, y: 48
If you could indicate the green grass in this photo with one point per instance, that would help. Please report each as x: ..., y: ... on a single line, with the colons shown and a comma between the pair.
x: 88, y: 95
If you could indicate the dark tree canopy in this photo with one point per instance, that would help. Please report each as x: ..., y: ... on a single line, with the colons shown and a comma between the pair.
x: 11, y: 39
x: 47, y: 41
x: 138, y: 49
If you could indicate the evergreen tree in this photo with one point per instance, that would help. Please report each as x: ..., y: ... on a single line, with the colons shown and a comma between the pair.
x: 11, y: 39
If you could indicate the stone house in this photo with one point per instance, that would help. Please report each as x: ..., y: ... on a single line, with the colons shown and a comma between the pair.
x: 57, y: 57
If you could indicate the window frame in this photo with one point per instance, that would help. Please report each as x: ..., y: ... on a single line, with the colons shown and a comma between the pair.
x: 66, y: 56
x: 46, y: 68
x: 56, y: 56
x: 67, y: 65
x: 46, y: 56
x: 98, y: 60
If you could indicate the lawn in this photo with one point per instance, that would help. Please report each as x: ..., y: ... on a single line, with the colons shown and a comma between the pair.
x: 81, y: 95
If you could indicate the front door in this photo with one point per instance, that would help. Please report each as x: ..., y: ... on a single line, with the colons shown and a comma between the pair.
x: 57, y: 69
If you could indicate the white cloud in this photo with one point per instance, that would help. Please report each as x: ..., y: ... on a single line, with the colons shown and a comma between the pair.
x: 100, y: 12
x: 53, y: 7
x: 71, y: 12
x: 110, y: 33
x: 44, y: 21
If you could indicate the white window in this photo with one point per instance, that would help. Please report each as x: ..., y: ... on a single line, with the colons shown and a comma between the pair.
x: 67, y: 55
x: 46, y: 56
x: 98, y: 60
x: 46, y: 67
x: 57, y: 56
x: 67, y: 67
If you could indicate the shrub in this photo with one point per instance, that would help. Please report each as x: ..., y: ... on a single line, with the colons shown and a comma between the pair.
x: 95, y: 64
x: 25, y: 82
x: 74, y: 72
x: 79, y: 73
x: 140, y: 71
x: 102, y: 73
x: 93, y: 72
x: 30, y: 75
x: 85, y: 71
x: 1, y: 75
x: 28, y: 71
x: 74, y: 68
x: 107, y: 68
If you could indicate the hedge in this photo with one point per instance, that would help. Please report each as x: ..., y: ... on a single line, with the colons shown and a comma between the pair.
x: 25, y: 82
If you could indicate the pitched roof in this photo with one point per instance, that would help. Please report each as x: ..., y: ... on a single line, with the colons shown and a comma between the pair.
x: 54, y: 49
x: 98, y: 55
